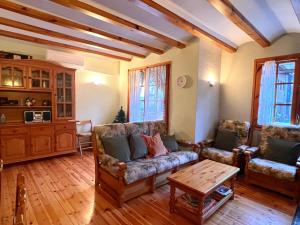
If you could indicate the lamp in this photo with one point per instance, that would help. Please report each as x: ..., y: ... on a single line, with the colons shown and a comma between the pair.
x: 211, y: 82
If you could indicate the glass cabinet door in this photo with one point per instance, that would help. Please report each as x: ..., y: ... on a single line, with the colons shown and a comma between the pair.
x: 12, y: 76
x: 40, y: 78
x: 64, y: 95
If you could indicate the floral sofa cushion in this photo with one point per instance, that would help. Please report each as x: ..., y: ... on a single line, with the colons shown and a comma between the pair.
x: 138, y: 170
x: 218, y: 155
x: 287, y: 133
x: 162, y: 163
x: 274, y: 169
x: 118, y: 129
x: 142, y: 168
x: 185, y: 156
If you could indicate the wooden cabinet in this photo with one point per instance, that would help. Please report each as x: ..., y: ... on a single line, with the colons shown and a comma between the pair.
x: 64, y: 94
x: 40, y: 78
x: 41, y: 140
x: 12, y: 75
x: 52, y: 87
x: 32, y: 141
x: 14, y: 147
x: 65, y: 140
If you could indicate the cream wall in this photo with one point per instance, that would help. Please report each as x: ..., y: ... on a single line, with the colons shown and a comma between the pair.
x: 182, y: 100
x: 194, y: 109
x: 100, y: 101
x: 207, y: 108
x: 237, y: 74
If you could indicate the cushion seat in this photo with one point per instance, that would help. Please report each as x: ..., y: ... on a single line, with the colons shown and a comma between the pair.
x: 274, y: 169
x: 185, y: 156
x: 138, y: 170
x: 170, y: 161
x: 162, y: 163
x: 218, y: 155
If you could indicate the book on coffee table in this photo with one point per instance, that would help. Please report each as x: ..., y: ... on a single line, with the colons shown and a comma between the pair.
x: 192, y: 203
x: 221, y: 192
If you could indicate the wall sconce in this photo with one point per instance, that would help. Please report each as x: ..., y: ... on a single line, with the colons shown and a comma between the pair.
x: 212, y: 82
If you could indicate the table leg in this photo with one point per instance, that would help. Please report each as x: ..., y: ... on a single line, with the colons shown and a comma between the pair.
x: 232, y: 183
x: 200, y: 210
x: 172, y: 198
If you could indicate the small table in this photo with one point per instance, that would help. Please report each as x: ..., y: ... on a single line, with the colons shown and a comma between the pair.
x: 201, y: 180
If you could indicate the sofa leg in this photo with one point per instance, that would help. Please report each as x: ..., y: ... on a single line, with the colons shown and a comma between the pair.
x: 152, y: 184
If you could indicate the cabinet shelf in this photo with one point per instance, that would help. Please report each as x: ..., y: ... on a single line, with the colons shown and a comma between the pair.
x: 25, y: 107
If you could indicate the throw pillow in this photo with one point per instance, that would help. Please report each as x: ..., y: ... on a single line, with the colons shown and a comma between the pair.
x: 155, y: 145
x: 138, y: 147
x: 117, y: 147
x: 282, y: 151
x: 170, y: 143
x: 226, y: 140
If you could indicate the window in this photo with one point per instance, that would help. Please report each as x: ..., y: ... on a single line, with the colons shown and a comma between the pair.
x: 276, y: 97
x: 148, y: 93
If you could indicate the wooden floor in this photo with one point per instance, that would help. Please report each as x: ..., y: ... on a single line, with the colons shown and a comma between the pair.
x: 61, y: 191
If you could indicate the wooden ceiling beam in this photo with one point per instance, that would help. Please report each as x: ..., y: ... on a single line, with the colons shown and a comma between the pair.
x: 57, y: 44
x: 296, y: 7
x: 159, y: 10
x: 96, y: 12
x: 227, y: 9
x: 39, y: 30
x: 27, y: 11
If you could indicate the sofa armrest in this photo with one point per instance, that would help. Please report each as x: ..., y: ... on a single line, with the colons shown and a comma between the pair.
x: 254, y: 151
x: 112, y: 165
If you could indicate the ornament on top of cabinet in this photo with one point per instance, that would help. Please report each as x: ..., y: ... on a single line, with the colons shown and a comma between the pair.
x: 181, y: 81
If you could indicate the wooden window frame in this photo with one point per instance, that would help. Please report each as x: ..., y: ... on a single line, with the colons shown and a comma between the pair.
x: 167, y: 88
x: 258, y: 63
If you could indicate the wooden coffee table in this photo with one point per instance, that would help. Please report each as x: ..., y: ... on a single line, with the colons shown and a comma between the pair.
x: 201, y: 180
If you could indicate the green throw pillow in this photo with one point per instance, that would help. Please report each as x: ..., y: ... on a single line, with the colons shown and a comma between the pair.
x: 138, y: 147
x: 170, y: 143
x: 226, y: 140
x: 282, y: 151
x: 117, y: 147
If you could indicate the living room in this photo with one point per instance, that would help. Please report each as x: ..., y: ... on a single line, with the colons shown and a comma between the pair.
x: 149, y: 112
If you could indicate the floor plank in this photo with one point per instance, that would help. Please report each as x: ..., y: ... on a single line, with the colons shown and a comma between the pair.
x: 61, y: 192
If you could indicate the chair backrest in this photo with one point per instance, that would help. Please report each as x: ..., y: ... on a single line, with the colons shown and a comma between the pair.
x: 21, y: 199
x: 241, y: 128
x: 286, y: 133
x: 84, y: 126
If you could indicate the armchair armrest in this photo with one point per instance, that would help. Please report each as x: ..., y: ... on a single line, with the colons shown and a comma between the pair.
x: 187, y: 145
x: 206, y: 143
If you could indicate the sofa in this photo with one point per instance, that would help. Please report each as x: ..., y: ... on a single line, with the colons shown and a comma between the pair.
x: 274, y: 175
x: 232, y: 156
x: 124, y: 181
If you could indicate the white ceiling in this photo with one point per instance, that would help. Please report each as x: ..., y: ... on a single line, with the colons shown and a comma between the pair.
x: 272, y: 18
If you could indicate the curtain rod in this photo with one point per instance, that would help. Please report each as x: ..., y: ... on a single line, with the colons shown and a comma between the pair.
x: 283, y: 60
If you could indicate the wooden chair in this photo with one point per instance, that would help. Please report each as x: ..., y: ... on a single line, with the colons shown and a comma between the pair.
x: 21, y: 199
x: 84, y: 134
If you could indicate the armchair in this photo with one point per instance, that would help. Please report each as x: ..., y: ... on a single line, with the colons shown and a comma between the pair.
x: 233, y: 157
x: 269, y: 174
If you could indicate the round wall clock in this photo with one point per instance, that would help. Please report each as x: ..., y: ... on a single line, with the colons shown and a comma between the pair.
x: 181, y: 81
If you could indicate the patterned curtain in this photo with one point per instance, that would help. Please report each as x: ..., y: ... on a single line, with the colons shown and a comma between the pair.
x: 267, y: 94
x: 155, y: 86
x: 135, y: 79
x: 147, y: 94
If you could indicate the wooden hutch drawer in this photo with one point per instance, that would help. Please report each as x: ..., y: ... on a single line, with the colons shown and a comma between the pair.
x: 66, y: 126
x: 13, y: 130
x: 41, y: 130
